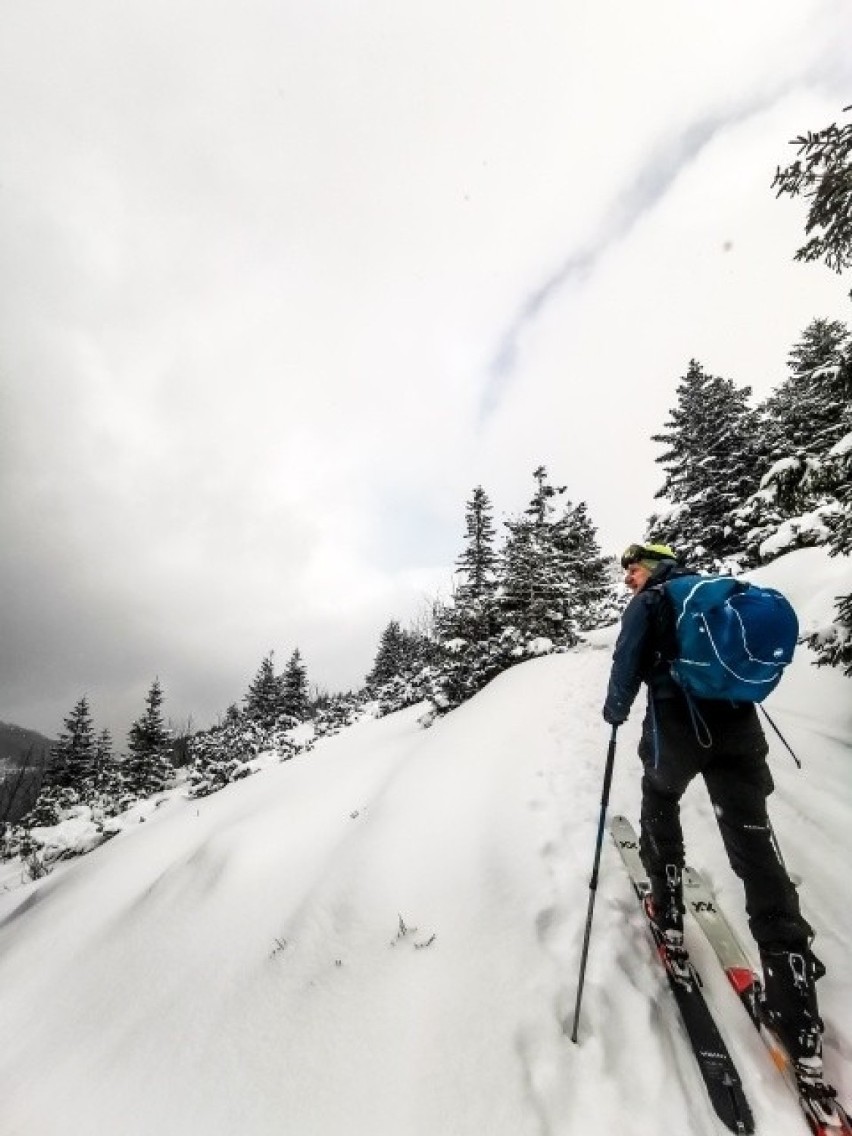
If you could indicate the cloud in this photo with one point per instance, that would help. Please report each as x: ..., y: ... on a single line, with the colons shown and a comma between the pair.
x: 281, y: 286
x: 601, y: 365
x: 647, y: 188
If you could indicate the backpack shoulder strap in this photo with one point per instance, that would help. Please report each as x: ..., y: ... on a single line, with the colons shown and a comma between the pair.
x: 662, y: 620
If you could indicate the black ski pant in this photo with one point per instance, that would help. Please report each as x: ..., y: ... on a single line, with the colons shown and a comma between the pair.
x: 726, y: 745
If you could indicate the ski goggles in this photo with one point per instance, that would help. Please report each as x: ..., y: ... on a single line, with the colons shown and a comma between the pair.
x: 635, y: 553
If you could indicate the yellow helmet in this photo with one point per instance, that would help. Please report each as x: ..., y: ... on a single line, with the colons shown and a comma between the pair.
x: 648, y: 554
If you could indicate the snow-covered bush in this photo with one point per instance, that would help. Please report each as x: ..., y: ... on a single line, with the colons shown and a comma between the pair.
x: 228, y: 752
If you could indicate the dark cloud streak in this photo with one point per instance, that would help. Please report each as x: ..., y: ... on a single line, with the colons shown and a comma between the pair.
x: 650, y: 185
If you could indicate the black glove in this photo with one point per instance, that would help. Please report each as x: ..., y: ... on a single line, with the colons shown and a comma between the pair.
x: 612, y: 718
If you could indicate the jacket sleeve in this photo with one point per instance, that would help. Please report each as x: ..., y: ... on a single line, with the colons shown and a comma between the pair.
x: 624, y: 678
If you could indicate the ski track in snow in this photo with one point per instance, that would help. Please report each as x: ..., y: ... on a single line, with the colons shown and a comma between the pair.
x: 383, y: 936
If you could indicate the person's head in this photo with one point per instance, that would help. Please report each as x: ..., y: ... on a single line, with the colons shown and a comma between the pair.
x: 640, y: 561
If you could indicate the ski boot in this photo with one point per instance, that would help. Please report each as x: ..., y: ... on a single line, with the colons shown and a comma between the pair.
x: 664, y: 909
x: 789, y: 1006
x: 789, y: 1011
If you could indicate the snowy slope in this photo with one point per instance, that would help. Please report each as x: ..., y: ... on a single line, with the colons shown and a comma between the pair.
x: 382, y: 936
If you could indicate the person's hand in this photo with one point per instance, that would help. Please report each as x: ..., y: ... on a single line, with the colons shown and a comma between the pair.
x: 611, y: 718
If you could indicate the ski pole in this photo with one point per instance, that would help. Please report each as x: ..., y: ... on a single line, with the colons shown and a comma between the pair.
x: 593, y: 882
x: 781, y: 736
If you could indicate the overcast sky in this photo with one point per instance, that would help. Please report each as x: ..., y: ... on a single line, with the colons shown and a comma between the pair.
x: 282, y: 281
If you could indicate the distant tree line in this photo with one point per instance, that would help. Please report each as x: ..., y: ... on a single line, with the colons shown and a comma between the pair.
x: 82, y: 777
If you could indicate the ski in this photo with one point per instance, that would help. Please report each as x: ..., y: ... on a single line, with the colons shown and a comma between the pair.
x: 818, y: 1102
x: 711, y: 1053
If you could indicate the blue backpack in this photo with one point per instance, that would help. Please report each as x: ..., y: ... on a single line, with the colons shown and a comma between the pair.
x: 734, y: 639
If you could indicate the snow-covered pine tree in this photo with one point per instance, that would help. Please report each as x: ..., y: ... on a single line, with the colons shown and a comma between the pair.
x: 331, y: 713
x: 537, y: 571
x: 833, y: 644
x: 823, y: 173
x: 243, y: 741
x: 397, y: 677
x: 231, y: 750
x: 795, y: 504
x: 470, y: 650
x: 551, y: 581
x: 389, y: 660
x: 67, y: 779
x: 593, y: 596
x: 72, y: 758
x: 712, y: 461
x: 295, y: 700
x: 264, y: 700
x: 418, y: 652
x: 104, y: 761
x: 148, y: 766
x: 474, y: 612
x: 807, y: 406
x: 106, y: 793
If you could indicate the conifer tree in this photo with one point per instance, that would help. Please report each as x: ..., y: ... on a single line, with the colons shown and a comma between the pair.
x: 834, y: 644
x: 103, y: 772
x: 389, y: 659
x: 466, y: 649
x: 232, y: 715
x: 809, y: 412
x: 834, y: 474
x: 592, y: 594
x: 72, y: 758
x: 396, y: 678
x: 264, y: 700
x: 823, y: 173
x: 473, y: 615
x: 797, y: 500
x: 148, y: 766
x: 477, y: 563
x: 68, y: 776
x: 712, y: 465
x: 537, y: 585
x: 550, y: 582
x: 295, y: 699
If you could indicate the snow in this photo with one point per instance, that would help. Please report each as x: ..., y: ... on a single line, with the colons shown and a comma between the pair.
x: 78, y: 834
x: 783, y: 465
x: 813, y: 526
x: 829, y: 371
x: 382, y: 935
x: 841, y: 448
x: 540, y: 646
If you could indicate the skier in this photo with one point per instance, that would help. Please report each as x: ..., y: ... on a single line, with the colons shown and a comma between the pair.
x: 723, y: 741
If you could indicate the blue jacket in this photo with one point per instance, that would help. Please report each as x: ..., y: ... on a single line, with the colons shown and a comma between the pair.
x: 644, y: 648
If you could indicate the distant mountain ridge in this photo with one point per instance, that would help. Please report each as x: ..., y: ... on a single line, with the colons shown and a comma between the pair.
x: 16, y: 742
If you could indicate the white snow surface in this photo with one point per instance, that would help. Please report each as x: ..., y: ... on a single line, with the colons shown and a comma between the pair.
x: 382, y: 936
x: 844, y: 446
x: 814, y: 524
